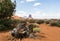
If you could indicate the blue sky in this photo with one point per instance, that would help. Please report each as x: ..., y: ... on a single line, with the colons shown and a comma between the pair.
x: 38, y: 8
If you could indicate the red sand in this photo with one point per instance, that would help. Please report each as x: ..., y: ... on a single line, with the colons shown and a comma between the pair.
x: 48, y: 33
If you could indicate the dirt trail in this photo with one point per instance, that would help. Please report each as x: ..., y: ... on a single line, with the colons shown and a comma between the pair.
x: 51, y: 33
x: 48, y: 33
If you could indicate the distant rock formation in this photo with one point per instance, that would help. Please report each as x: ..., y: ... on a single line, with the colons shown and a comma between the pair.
x: 30, y: 16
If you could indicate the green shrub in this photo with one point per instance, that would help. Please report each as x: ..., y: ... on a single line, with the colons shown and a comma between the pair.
x: 53, y: 23
x: 2, y: 27
x: 40, y: 21
x: 57, y: 23
x: 47, y: 22
x: 31, y: 20
x: 8, y: 24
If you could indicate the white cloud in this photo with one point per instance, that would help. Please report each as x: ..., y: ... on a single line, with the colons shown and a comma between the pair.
x: 21, y: 13
x: 21, y: 1
x: 30, y: 0
x: 39, y: 14
x: 37, y: 4
x: 36, y: 14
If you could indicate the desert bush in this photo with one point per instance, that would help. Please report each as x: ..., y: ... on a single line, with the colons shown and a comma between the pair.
x: 34, y: 27
x: 2, y: 27
x: 31, y: 20
x: 40, y: 21
x: 8, y: 24
x: 5, y: 25
x: 47, y: 22
x: 57, y: 23
x: 53, y: 23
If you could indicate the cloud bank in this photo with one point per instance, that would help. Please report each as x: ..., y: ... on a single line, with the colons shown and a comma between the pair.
x: 37, y: 4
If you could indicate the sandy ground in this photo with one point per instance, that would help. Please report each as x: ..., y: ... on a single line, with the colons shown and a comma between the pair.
x: 48, y: 33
